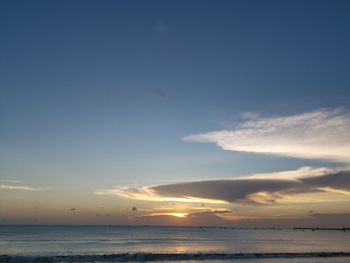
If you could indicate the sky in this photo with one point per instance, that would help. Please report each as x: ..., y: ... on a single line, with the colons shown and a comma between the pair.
x: 175, y: 112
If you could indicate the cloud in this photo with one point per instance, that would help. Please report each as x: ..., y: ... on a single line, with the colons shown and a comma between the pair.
x: 10, y: 181
x: 191, y: 213
x: 231, y: 191
x: 147, y: 193
x: 257, y: 189
x: 162, y: 214
x: 21, y: 187
x: 302, y: 172
x: 337, y: 183
x: 192, y: 216
x: 322, y: 134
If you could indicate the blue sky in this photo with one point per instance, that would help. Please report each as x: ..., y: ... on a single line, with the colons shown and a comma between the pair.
x: 102, y: 93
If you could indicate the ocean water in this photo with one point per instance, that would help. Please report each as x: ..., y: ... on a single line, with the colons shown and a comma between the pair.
x: 94, y: 243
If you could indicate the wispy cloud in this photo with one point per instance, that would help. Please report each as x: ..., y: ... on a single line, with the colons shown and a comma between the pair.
x: 179, y: 215
x: 20, y: 187
x: 302, y: 172
x: 322, y: 134
x: 10, y: 181
x: 147, y: 193
x: 193, y: 216
x: 257, y: 189
x: 186, y: 213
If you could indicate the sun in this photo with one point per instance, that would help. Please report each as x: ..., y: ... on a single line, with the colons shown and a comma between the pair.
x: 180, y: 215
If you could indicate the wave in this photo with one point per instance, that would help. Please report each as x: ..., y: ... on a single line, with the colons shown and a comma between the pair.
x: 166, y: 257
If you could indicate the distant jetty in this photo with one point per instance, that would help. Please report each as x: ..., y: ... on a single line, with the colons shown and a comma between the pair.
x: 323, y: 228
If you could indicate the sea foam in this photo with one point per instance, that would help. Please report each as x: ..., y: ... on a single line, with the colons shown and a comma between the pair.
x: 166, y: 257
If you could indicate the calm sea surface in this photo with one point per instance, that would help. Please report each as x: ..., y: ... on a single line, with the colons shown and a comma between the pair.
x: 99, y: 240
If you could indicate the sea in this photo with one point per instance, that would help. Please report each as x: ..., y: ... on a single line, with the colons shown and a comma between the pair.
x: 181, y: 244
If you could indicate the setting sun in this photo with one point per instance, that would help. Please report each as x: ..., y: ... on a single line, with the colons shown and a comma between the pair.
x: 181, y: 215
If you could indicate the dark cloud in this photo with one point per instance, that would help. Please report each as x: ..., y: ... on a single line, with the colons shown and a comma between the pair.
x: 339, y: 180
x: 209, y: 213
x: 231, y: 191
x: 72, y: 209
x: 257, y: 191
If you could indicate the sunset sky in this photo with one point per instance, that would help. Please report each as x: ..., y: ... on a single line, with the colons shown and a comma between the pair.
x: 175, y: 112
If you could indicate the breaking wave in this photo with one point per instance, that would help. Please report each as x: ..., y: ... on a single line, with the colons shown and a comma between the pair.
x: 166, y: 257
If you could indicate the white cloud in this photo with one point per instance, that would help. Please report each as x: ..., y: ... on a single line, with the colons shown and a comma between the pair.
x: 322, y: 134
x: 10, y: 181
x: 20, y: 187
x: 302, y: 172
x: 148, y: 194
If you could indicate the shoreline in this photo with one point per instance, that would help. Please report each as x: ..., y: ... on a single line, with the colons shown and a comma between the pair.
x: 168, y: 256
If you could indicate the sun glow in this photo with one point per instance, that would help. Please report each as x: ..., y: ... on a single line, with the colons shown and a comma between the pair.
x: 182, y: 215
x: 147, y: 194
x: 179, y: 215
